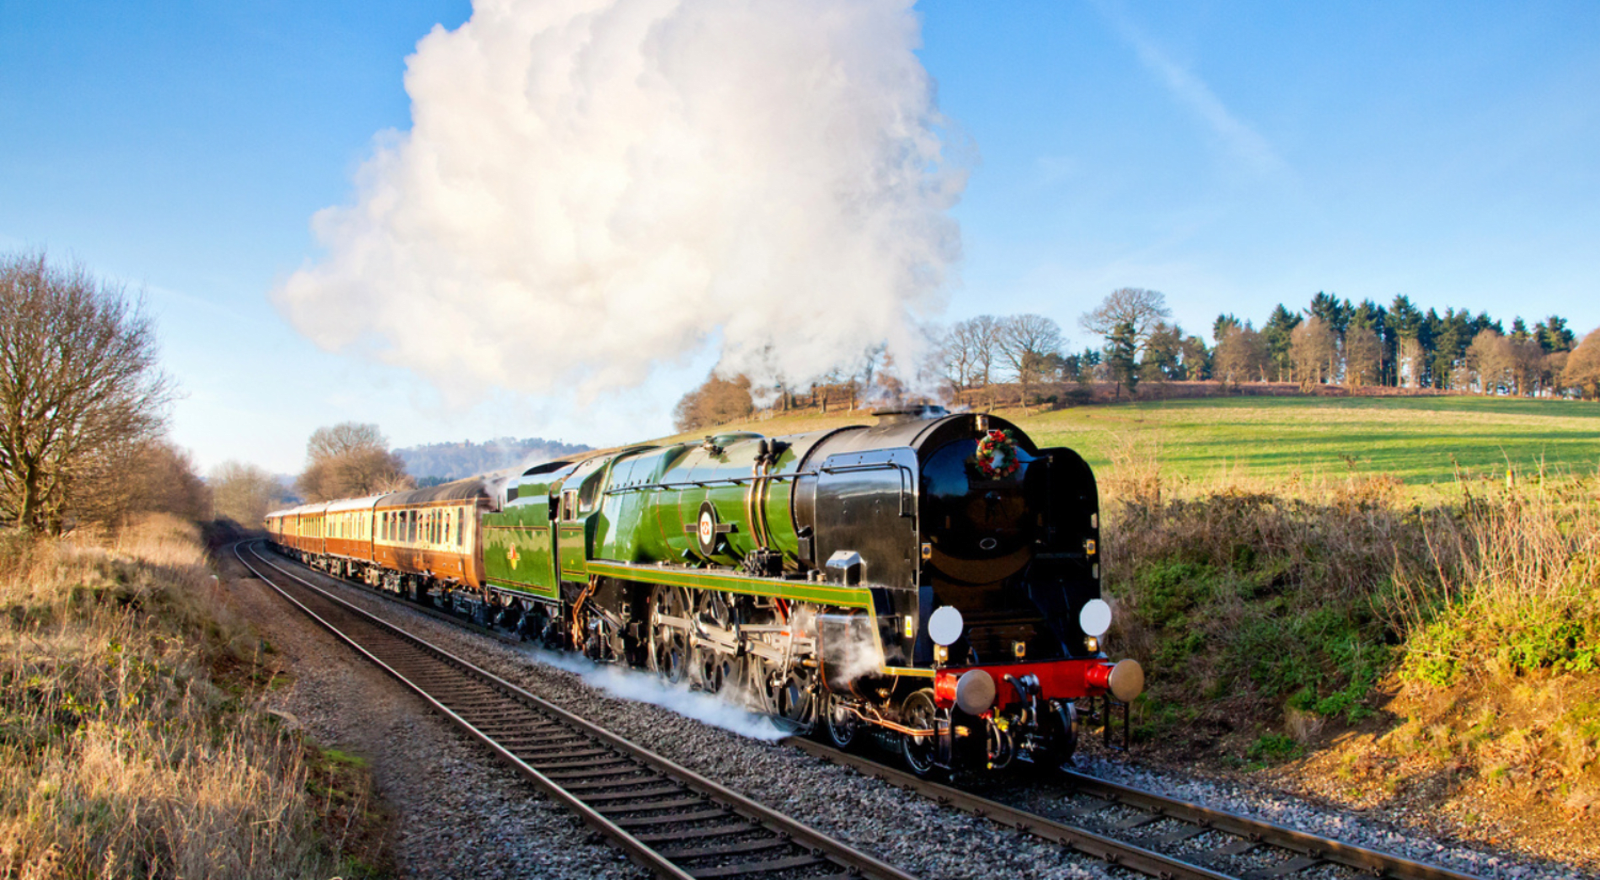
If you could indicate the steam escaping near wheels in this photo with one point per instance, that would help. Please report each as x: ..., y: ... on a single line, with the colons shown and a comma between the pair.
x: 643, y: 687
x: 590, y: 190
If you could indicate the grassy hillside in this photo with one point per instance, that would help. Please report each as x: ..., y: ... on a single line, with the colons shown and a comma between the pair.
x: 1415, y: 439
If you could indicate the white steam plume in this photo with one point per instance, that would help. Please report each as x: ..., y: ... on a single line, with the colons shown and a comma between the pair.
x: 642, y: 687
x: 593, y: 187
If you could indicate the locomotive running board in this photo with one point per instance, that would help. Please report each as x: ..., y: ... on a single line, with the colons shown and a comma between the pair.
x: 732, y: 582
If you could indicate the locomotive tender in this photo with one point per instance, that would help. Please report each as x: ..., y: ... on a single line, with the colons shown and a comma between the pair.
x: 933, y: 579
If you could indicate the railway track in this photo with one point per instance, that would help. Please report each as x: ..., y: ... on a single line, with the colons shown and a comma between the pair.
x: 666, y: 817
x: 1137, y: 829
x: 1128, y: 827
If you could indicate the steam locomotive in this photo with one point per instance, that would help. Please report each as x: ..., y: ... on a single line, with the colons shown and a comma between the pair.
x: 932, y: 581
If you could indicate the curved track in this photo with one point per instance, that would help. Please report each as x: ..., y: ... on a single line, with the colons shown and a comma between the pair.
x: 667, y: 818
x: 1129, y: 827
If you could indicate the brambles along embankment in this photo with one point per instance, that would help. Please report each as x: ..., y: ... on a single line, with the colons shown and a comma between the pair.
x: 131, y: 738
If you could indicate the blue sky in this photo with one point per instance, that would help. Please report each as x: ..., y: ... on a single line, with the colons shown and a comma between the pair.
x: 1230, y: 155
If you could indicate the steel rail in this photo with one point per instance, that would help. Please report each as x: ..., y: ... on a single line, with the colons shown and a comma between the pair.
x: 1308, y: 846
x: 1099, y: 846
x: 1310, y: 850
x: 587, y: 769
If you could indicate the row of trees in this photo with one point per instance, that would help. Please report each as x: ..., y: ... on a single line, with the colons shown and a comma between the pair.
x: 1332, y: 341
x: 1335, y: 341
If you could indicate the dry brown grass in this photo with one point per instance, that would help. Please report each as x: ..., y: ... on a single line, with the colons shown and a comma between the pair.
x: 130, y: 742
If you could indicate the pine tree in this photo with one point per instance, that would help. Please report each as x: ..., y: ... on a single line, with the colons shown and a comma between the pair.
x: 1276, y: 334
x: 1122, y: 347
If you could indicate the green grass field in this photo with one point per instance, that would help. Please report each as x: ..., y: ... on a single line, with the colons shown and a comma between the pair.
x: 1418, y: 439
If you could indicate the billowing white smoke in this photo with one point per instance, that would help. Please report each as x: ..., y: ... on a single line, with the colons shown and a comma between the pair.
x: 643, y: 687
x: 593, y: 187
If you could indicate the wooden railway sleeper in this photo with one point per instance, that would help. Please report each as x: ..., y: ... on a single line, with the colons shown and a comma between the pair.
x: 757, y: 867
x: 710, y: 831
x: 591, y: 775
x: 608, y: 781
x: 603, y: 763
x: 626, y: 795
x: 727, y: 849
x: 532, y: 755
x: 672, y: 818
x: 650, y: 806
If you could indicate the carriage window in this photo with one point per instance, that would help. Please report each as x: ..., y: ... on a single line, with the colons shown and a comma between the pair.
x: 461, y: 528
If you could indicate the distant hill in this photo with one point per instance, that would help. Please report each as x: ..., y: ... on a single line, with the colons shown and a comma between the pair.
x: 434, y: 463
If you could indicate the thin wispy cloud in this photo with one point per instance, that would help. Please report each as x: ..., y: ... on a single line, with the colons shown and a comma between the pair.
x: 1192, y: 92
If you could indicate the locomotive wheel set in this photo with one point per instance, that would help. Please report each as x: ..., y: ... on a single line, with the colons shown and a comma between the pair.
x: 932, y: 581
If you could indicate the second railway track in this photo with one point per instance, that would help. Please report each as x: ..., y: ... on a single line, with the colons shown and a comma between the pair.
x: 667, y: 818
x: 1131, y: 827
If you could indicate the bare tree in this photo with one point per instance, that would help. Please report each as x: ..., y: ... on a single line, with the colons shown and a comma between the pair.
x: 131, y: 478
x: 1410, y: 362
x: 1492, y: 360
x: 971, y: 348
x: 1582, y: 367
x: 1526, y: 358
x: 243, y: 493
x: 78, y: 381
x: 1127, y: 305
x: 1029, y: 344
x: 349, y: 460
x: 1314, y: 350
x: 342, y: 439
x: 1241, y: 355
x: 1363, y: 356
x: 716, y: 402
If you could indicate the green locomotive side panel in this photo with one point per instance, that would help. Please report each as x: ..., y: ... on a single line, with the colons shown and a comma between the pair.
x: 624, y: 531
x: 519, y: 545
